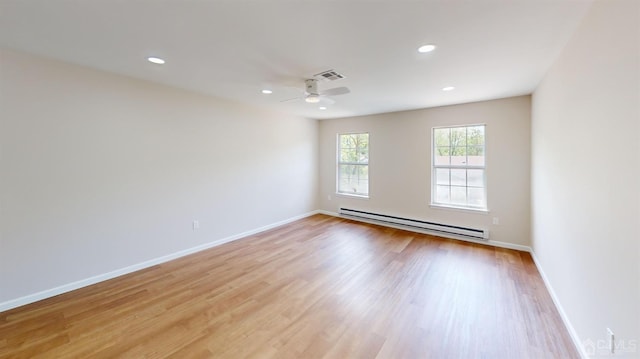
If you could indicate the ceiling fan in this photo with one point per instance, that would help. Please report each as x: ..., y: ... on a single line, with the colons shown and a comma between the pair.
x: 312, y: 95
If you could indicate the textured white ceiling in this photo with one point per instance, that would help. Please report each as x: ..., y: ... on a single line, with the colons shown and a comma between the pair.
x: 233, y: 49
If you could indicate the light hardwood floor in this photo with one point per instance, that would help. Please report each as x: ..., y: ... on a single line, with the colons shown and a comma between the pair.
x: 321, y: 287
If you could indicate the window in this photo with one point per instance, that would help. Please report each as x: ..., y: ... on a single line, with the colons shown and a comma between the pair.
x: 458, y: 171
x: 353, y: 164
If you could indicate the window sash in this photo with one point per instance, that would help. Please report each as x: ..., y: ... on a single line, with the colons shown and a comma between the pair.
x: 452, y: 193
x: 358, y: 181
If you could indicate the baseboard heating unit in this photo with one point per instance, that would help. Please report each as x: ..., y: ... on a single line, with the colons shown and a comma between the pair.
x: 413, y: 224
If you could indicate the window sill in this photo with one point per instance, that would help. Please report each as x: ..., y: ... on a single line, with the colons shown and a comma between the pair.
x: 460, y: 209
x: 357, y: 196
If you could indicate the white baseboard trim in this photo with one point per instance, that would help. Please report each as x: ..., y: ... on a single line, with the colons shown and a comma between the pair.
x: 31, y: 298
x: 572, y: 332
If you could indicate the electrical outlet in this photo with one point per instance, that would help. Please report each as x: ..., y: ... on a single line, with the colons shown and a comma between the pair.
x: 329, y: 197
x: 496, y: 220
x: 196, y: 225
x: 611, y: 337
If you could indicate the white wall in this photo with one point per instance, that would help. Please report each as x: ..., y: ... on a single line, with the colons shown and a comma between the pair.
x: 400, y: 160
x: 99, y: 172
x: 586, y: 177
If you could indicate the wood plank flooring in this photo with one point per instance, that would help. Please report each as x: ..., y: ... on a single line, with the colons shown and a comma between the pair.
x: 321, y: 287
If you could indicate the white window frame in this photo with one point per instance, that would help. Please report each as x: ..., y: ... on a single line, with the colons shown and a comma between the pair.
x: 339, y: 163
x: 450, y: 205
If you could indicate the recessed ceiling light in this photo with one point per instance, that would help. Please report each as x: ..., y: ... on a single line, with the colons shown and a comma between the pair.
x: 426, y: 48
x: 156, y: 60
x: 322, y: 108
x: 267, y: 92
x: 448, y: 88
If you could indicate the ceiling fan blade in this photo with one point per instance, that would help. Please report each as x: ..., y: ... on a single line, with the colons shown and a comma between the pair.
x: 326, y: 101
x: 292, y: 99
x: 335, y: 91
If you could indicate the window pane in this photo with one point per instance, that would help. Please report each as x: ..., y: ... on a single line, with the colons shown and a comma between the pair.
x: 353, y: 179
x: 459, y: 195
x: 347, y: 141
x: 458, y: 136
x: 348, y: 179
x: 363, y: 172
x: 363, y: 156
x: 458, y: 156
x: 475, y: 156
x: 476, y: 197
x: 347, y: 155
x: 354, y: 172
x: 354, y: 148
x: 346, y: 171
x: 363, y: 187
x: 475, y: 135
x: 441, y: 136
x: 442, y: 176
x: 442, y: 194
x: 475, y: 178
x: 363, y: 141
x: 442, y: 156
x: 458, y: 177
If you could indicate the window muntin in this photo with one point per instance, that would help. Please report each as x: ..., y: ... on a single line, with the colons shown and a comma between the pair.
x: 458, y: 167
x: 353, y: 164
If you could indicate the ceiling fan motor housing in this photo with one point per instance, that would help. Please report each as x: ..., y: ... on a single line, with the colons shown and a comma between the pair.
x: 311, y: 86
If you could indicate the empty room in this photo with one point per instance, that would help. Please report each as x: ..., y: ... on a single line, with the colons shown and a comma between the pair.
x: 320, y: 179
